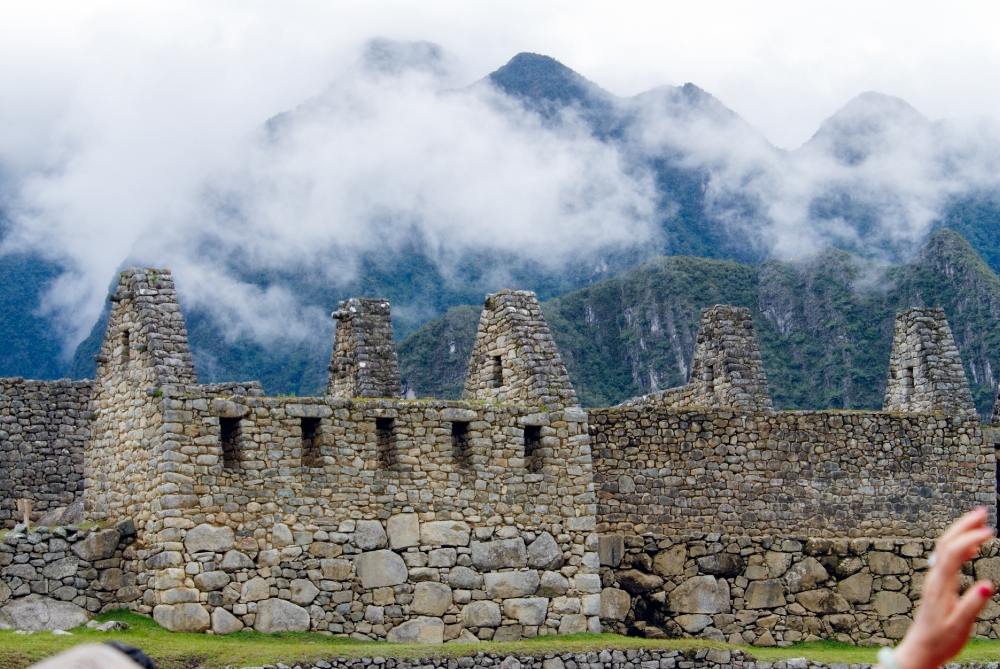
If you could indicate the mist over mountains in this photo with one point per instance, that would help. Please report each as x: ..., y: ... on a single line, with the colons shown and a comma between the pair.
x: 402, y: 180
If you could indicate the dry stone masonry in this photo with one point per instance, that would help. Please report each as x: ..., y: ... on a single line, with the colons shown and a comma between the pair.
x: 513, y: 513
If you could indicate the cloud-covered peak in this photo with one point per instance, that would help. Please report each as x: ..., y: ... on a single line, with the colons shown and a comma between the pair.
x: 870, y: 123
x: 394, y: 57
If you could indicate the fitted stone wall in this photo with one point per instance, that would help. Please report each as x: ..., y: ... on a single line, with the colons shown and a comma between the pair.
x: 777, y: 590
x: 288, y: 512
x: 364, y: 360
x: 67, y: 573
x: 826, y: 473
x: 726, y: 370
x: 514, y: 358
x: 43, y: 426
x: 925, y: 368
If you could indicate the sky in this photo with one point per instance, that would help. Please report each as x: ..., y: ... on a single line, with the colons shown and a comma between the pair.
x: 116, y: 119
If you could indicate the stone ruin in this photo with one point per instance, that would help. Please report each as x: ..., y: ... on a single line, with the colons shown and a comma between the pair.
x: 698, y: 511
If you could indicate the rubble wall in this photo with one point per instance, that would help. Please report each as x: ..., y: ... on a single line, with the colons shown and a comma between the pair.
x: 778, y: 590
x: 823, y: 473
x: 43, y: 427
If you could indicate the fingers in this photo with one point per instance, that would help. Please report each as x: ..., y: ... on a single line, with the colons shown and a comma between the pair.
x: 955, y: 550
x: 968, y: 521
x: 971, y: 603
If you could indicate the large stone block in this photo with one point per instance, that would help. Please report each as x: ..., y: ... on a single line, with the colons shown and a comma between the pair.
x: 279, y: 615
x: 726, y: 565
x: 224, y: 622
x: 445, y: 533
x: 209, y: 538
x: 403, y: 530
x: 611, y: 549
x: 190, y: 617
x: 806, y: 575
x: 303, y: 591
x: 888, y: 604
x: 211, y: 580
x: 465, y: 578
x: 670, y: 562
x: 511, y: 584
x: 544, y: 553
x: 500, y: 554
x: 552, y: 584
x: 281, y: 536
x: 379, y: 569
x: 769, y: 594
x: 430, y: 599
x: 615, y: 604
x: 573, y: 623
x: 856, y: 589
x: 701, y: 594
x: 336, y: 570
x: 60, y: 569
x: 883, y: 563
x: 822, y: 601
x: 97, y: 546
x: 235, y: 561
x: 636, y: 582
x: 988, y: 569
x: 369, y: 535
x: 35, y: 613
x: 418, y: 630
x: 527, y: 610
x: 255, y: 590
x: 482, y: 613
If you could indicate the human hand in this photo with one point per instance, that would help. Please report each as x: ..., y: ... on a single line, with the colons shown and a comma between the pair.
x: 943, y: 622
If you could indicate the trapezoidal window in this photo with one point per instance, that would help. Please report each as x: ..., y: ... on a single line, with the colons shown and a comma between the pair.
x: 532, y: 448
x: 496, y: 371
x: 384, y: 442
x: 229, y: 438
x: 125, y: 347
x: 311, y: 456
x: 460, y: 444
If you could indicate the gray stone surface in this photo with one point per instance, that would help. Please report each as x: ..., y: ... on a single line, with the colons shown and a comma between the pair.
x: 379, y: 569
x: 98, y: 545
x: 615, y: 604
x: 235, y: 561
x: 856, y: 589
x: 611, y: 549
x: 500, y: 554
x: 431, y: 599
x: 823, y: 601
x: 370, y: 535
x: 465, y: 578
x: 483, y: 613
x: 186, y: 617
x: 36, y: 613
x: 209, y: 538
x: 279, y: 615
x: 211, y: 580
x: 807, y: 574
x: 445, y: 533
x: 726, y: 565
x: 526, y: 610
x: 511, y: 584
x: 552, y: 584
x: 418, y: 630
x: 701, y: 594
x: 224, y: 622
x: 303, y: 591
x: 769, y: 594
x: 403, y: 530
x: 573, y: 623
x: 544, y: 553
x: 636, y: 582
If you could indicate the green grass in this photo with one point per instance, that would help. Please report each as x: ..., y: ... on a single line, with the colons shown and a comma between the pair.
x: 186, y: 651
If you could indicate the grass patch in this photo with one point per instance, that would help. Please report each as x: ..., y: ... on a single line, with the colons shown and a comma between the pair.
x: 187, y: 651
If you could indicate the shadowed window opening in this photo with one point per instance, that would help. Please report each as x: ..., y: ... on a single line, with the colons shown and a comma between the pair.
x: 532, y: 448
x: 229, y: 436
x: 125, y: 346
x: 460, y: 444
x: 497, y: 371
x: 311, y: 456
x: 384, y: 436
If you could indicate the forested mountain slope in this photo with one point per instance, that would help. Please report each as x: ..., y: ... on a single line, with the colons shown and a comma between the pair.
x: 825, y: 325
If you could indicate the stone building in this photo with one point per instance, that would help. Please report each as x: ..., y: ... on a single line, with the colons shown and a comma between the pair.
x: 698, y: 511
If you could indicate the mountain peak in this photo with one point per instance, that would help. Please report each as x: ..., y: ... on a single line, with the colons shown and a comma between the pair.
x: 864, y: 126
x: 543, y: 80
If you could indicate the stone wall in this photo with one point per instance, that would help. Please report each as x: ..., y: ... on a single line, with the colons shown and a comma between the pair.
x: 826, y: 473
x: 56, y: 578
x: 778, y: 590
x: 43, y: 426
x: 364, y: 360
x: 514, y: 358
x: 726, y: 370
x: 925, y: 369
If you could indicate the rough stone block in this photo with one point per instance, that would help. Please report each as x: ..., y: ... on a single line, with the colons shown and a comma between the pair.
x: 431, y: 599
x: 611, y: 549
x: 573, y: 623
x: 379, y: 569
x: 701, y: 594
x: 636, y: 582
x: 769, y: 594
x: 552, y: 584
x: 189, y: 617
x: 445, y: 533
x: 303, y: 591
x: 97, y: 546
x: 528, y: 610
x: 369, y: 535
x: 403, y: 530
x: 511, y: 584
x: 806, y: 575
x: 211, y: 580
x: 418, y: 630
x: 856, y: 589
x: 279, y: 615
x: 824, y: 601
x: 224, y: 622
x: 209, y: 538
x: 883, y: 563
x: 544, y: 553
x: 615, y: 604
x: 500, y: 554
x: 482, y: 613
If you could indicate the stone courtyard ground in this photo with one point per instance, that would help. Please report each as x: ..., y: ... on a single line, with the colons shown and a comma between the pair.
x: 250, y: 649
